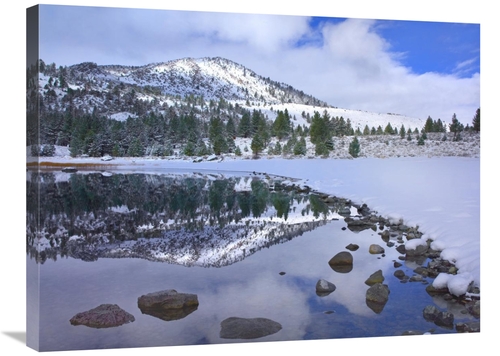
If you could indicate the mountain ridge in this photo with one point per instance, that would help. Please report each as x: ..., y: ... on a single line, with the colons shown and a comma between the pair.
x: 121, y: 91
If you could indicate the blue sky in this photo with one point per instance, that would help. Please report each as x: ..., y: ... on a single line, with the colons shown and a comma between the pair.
x: 414, y: 68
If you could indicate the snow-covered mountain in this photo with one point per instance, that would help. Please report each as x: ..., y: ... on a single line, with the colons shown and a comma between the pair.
x: 121, y: 91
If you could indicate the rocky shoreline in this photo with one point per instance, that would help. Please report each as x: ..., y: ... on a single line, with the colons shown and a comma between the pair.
x: 396, y: 234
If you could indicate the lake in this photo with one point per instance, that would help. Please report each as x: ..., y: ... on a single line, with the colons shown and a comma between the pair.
x: 248, y: 246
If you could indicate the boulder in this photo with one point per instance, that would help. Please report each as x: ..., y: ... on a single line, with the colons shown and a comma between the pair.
x: 360, y: 225
x: 375, y: 249
x: 168, y: 304
x: 323, y: 287
x: 376, y: 277
x: 243, y: 328
x: 342, y: 262
x: 474, y: 308
x: 444, y: 319
x: 399, y: 274
x: 430, y: 313
x: 418, y: 248
x: 103, y: 316
x: 378, y: 293
x: 377, y: 296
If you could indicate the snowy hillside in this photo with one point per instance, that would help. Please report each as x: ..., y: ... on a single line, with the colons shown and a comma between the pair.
x: 114, y: 91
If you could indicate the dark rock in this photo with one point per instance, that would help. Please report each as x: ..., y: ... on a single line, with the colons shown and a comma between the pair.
x: 376, y: 277
x: 445, y: 320
x: 242, y: 328
x: 342, y: 262
x: 352, y: 247
x: 430, y: 313
x: 474, y: 308
x: 323, y: 287
x: 401, y: 249
x: 359, y: 225
x: 421, y: 271
x: 377, y: 296
x: 416, y: 278
x: 385, y: 236
x: 168, y: 304
x: 378, y: 293
x: 375, y: 249
x: 419, y: 250
x: 103, y: 316
x: 431, y: 290
x: 364, y: 210
x: 397, y: 264
x: 403, y: 227
x: 282, y: 273
x: 399, y: 274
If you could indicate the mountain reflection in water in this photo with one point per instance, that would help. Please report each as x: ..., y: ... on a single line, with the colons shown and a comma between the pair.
x: 188, y: 220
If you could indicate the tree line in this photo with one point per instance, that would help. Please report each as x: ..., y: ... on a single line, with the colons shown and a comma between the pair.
x: 193, y: 134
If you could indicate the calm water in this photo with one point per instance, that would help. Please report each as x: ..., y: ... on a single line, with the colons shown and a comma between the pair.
x: 112, y: 238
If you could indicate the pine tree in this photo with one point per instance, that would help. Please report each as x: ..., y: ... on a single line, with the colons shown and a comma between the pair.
x: 456, y: 127
x: 388, y: 129
x: 281, y: 125
x: 300, y: 147
x: 429, y: 125
x: 476, y: 126
x: 257, y: 145
x: 354, y: 148
x: 245, y: 126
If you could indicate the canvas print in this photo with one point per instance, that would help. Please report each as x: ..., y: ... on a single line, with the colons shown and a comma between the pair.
x: 200, y: 178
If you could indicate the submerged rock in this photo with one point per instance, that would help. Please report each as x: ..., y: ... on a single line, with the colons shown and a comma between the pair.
x: 242, y: 328
x: 103, y: 316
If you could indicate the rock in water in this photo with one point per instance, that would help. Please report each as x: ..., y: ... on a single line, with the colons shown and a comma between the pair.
x: 168, y: 304
x: 377, y: 296
x: 323, y: 287
x: 376, y: 249
x: 376, y: 277
x: 342, y: 262
x: 242, y: 328
x: 103, y: 316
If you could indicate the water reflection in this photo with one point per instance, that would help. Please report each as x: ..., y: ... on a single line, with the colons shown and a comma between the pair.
x: 184, y: 220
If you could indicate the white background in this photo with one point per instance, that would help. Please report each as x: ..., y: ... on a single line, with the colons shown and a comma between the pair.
x: 13, y: 316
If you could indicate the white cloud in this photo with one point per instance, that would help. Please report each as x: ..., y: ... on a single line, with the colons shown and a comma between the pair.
x: 352, y: 67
